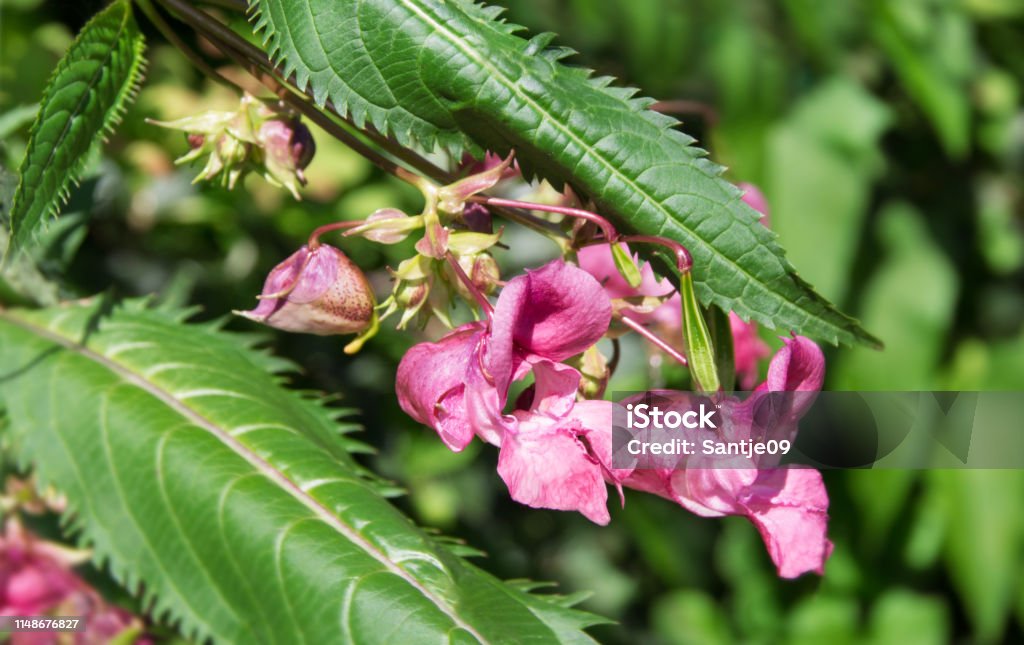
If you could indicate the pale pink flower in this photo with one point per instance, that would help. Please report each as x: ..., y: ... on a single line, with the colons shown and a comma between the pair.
x: 459, y: 386
x: 36, y: 579
x: 788, y: 505
x: 316, y: 291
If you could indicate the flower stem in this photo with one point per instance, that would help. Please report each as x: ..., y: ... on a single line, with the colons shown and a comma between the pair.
x: 480, y: 298
x: 684, y: 261
x: 610, y: 234
x: 314, y: 237
x: 653, y: 338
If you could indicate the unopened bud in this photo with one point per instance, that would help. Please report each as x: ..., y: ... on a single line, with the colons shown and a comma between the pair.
x: 316, y: 291
x: 483, y: 272
x: 288, y: 147
x: 387, y: 226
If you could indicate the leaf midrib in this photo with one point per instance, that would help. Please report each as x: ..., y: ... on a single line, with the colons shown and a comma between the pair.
x: 557, y: 124
x: 261, y: 465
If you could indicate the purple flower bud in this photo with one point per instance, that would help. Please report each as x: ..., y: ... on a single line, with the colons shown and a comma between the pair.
x: 288, y: 143
x: 477, y: 218
x: 316, y: 291
x: 302, y: 144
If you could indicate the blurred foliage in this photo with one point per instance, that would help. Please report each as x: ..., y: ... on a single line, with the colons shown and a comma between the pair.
x: 888, y: 137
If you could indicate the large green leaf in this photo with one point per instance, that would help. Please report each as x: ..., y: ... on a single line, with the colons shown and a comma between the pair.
x: 426, y: 71
x: 233, y: 502
x: 83, y: 100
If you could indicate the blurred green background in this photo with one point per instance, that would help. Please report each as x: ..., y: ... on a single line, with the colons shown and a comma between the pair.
x: 888, y: 138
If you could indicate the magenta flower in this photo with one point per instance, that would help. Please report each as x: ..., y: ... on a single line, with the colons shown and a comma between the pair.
x: 316, y: 291
x: 36, y: 579
x: 754, y: 198
x: 557, y: 454
x: 788, y: 506
x: 555, y: 451
x: 459, y: 386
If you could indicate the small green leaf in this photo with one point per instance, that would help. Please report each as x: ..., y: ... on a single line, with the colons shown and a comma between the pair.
x: 626, y: 266
x: 83, y: 100
x: 700, y: 352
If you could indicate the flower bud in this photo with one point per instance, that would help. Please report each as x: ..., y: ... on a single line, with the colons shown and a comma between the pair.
x: 387, y: 226
x: 594, y: 372
x: 257, y: 136
x: 288, y: 147
x: 316, y: 291
x: 482, y: 271
x: 477, y: 218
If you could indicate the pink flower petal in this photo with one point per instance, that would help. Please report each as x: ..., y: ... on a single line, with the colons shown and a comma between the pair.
x: 789, y: 506
x: 597, y: 260
x: 798, y: 367
x: 431, y: 384
x: 556, y: 312
x: 547, y: 466
x: 555, y: 388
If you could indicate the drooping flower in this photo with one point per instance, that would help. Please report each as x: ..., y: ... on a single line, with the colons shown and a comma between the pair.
x: 459, y: 386
x: 788, y: 505
x: 316, y: 291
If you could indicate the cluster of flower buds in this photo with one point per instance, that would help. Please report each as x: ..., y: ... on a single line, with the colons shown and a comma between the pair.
x: 258, y: 136
x: 452, y: 258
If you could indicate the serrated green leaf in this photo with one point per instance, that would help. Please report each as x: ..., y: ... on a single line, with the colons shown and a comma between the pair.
x: 446, y: 73
x: 234, y: 503
x: 84, y: 99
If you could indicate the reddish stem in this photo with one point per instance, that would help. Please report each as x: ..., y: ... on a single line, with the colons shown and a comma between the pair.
x: 653, y: 338
x: 327, y: 228
x: 606, y: 227
x: 480, y: 298
x: 684, y: 262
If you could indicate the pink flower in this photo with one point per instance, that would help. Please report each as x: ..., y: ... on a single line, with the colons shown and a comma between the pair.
x: 555, y: 451
x: 316, y: 291
x: 597, y: 260
x: 556, y: 454
x: 754, y: 198
x: 748, y: 349
x: 36, y: 579
x: 787, y: 505
x: 459, y: 386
